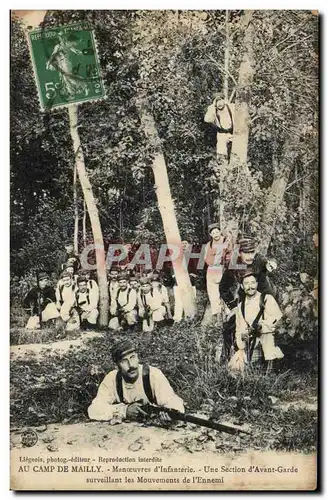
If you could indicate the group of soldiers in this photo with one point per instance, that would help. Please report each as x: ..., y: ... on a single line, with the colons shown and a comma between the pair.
x: 242, y: 298
x: 135, y: 301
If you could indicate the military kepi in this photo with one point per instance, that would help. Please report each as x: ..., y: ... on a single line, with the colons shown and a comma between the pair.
x: 215, y: 225
x: 121, y: 349
x: 247, y: 245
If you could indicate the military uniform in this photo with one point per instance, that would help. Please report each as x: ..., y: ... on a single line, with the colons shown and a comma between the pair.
x: 123, y: 307
x: 45, y: 299
x: 84, y: 309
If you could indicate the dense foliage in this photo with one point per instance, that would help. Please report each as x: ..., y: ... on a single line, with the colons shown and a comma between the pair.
x: 179, y: 65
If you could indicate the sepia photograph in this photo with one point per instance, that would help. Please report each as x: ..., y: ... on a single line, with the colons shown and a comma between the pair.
x: 164, y: 250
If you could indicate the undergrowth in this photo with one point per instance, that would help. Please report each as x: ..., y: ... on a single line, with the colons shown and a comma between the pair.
x: 59, y: 388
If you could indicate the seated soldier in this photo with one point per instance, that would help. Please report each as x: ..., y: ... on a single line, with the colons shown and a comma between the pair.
x: 134, y: 282
x: 159, y: 288
x: 65, y: 292
x: 256, y: 321
x: 40, y: 303
x: 83, y: 312
x: 69, y: 268
x: 66, y: 255
x: 123, y: 306
x: 151, y: 306
x: 112, y: 280
x: 92, y: 284
x: 124, y: 390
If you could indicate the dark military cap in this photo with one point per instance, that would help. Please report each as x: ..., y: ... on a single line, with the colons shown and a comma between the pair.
x: 121, y: 349
x: 247, y: 245
x: 215, y: 225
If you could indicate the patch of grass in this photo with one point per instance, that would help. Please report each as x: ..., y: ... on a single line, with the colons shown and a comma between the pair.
x: 60, y: 388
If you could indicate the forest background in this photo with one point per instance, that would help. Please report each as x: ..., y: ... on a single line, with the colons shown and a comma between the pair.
x: 177, y: 61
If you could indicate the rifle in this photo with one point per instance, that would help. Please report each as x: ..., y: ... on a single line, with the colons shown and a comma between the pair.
x: 183, y: 417
x: 39, y: 299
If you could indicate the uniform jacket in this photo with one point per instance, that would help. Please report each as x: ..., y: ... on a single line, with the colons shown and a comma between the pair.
x: 230, y: 289
x: 45, y: 296
x: 107, y: 404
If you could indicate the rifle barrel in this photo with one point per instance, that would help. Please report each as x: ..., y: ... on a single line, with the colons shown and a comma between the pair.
x: 213, y: 425
x: 183, y: 417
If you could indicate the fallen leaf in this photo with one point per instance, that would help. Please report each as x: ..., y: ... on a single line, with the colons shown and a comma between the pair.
x: 52, y: 447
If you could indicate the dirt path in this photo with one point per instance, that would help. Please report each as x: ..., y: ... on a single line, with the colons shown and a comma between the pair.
x: 129, y: 455
x: 59, y: 347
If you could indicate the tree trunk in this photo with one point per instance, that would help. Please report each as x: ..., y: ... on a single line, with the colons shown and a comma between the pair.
x: 245, y: 80
x: 84, y: 225
x: 76, y: 212
x: 166, y: 208
x: 226, y: 59
x: 94, y: 217
x: 277, y: 191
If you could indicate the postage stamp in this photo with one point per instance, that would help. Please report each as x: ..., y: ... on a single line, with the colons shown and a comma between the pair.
x: 66, y: 65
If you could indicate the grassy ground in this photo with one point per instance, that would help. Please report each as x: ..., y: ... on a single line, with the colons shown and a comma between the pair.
x: 60, y: 388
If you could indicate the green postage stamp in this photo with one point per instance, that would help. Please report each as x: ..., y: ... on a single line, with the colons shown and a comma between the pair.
x: 66, y: 65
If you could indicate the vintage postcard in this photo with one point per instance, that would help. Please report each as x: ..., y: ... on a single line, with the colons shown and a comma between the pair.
x: 164, y: 250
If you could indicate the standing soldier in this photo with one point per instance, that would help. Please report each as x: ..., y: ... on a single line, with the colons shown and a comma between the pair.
x: 123, y: 306
x: 40, y: 302
x: 256, y: 321
x: 231, y: 291
x: 192, y: 271
x: 221, y: 114
x: 84, y: 309
x: 216, y: 254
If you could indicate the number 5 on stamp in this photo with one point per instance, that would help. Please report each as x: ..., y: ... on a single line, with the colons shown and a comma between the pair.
x: 66, y: 65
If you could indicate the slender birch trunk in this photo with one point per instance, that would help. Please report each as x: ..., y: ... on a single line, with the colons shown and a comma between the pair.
x: 84, y: 225
x: 76, y: 212
x: 245, y: 80
x: 167, y: 210
x: 93, y: 214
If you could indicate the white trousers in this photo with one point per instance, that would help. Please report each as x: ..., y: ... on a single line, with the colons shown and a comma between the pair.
x: 178, y: 307
x: 50, y: 312
x: 156, y: 316
x: 213, y: 278
x: 74, y: 321
x: 130, y: 318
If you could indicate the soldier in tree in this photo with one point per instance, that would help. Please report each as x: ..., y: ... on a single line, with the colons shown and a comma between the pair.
x: 40, y: 303
x: 221, y: 114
